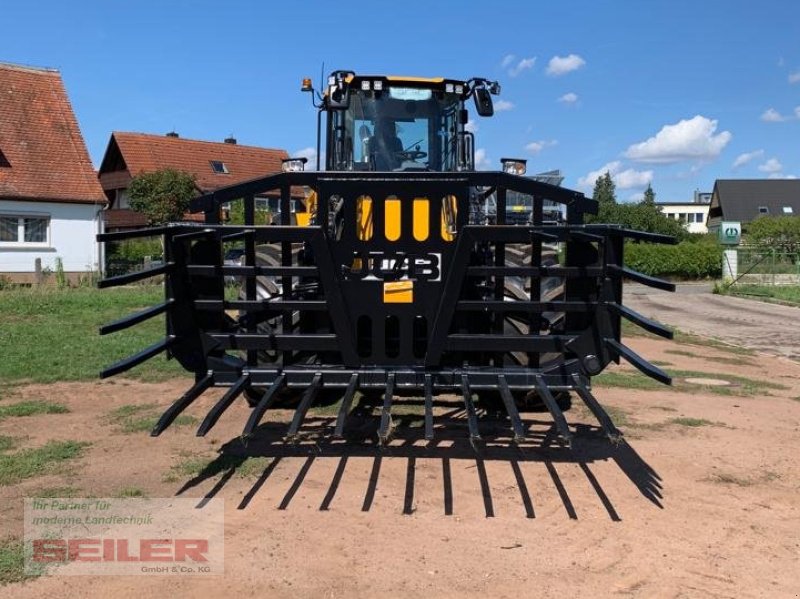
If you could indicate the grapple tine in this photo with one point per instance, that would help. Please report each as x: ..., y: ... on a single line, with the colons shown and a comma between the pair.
x: 428, y: 408
x: 651, y: 370
x: 511, y: 408
x: 181, y: 404
x: 305, y: 402
x: 558, y: 416
x: 638, y: 319
x: 347, y: 401
x: 472, y: 417
x: 386, y: 412
x: 263, y: 405
x: 137, y: 359
x: 223, y: 404
x: 611, y: 431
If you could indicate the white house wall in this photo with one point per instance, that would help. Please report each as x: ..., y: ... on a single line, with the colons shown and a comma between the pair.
x: 71, y: 237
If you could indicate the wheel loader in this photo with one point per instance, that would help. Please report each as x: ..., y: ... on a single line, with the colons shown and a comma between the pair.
x: 393, y: 278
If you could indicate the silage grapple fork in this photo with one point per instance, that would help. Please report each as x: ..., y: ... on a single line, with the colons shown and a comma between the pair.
x: 418, y: 306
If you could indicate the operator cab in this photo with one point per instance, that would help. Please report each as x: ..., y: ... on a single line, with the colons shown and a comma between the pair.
x: 380, y: 123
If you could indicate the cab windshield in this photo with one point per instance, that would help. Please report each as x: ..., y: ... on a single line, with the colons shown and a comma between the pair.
x: 398, y: 128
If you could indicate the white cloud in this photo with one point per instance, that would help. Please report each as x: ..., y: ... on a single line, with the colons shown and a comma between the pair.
x: 743, y: 159
x: 482, y: 162
x: 537, y: 146
x: 507, y: 60
x: 523, y: 65
x: 780, y: 176
x: 794, y: 77
x: 797, y: 112
x: 311, y: 154
x: 688, y: 139
x: 624, y: 179
x: 561, y: 65
x: 569, y: 98
x: 636, y: 197
x: 771, y: 115
x: 471, y: 126
x: 772, y: 166
x: 503, y: 105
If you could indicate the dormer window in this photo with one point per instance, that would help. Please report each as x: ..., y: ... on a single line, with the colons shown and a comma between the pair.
x: 788, y: 210
x: 763, y: 210
x: 219, y: 167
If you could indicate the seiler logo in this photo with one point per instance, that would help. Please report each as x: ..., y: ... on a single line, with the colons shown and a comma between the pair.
x: 119, y: 550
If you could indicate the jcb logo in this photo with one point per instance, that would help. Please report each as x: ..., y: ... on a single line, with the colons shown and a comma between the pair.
x: 394, y: 266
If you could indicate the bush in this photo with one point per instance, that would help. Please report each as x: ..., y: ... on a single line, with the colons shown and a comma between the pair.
x: 135, y: 250
x: 687, y: 260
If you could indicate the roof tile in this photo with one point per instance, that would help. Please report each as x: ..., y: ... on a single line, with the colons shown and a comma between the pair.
x: 41, y: 141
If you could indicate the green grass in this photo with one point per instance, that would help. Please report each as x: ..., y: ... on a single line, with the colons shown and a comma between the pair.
x: 690, y: 422
x: 739, y: 385
x: 627, y: 380
x: 28, y: 463
x: 31, y: 408
x: 7, y: 442
x: 51, y: 492
x: 788, y: 294
x: 130, y: 492
x: 12, y: 561
x: 51, y: 335
x: 732, y: 360
x: 191, y: 466
x: 138, y: 418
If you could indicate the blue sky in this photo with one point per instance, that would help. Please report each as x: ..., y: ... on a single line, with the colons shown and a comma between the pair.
x: 675, y: 93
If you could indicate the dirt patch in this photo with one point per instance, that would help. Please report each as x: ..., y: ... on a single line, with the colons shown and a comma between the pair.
x: 702, y: 499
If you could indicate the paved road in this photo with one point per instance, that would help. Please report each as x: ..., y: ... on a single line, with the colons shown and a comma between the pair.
x: 770, y: 328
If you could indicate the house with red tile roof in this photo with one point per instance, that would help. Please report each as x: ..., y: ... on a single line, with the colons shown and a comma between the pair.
x: 214, y: 165
x: 50, y: 199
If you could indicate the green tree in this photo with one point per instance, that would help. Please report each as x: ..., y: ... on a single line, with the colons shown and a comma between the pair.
x: 642, y: 216
x: 779, y: 232
x: 605, y: 190
x: 649, y: 196
x: 162, y: 196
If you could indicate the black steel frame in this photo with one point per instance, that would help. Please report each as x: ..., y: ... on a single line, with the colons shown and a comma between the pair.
x: 463, y: 308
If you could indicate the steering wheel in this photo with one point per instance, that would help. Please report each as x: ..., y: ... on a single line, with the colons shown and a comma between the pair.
x: 411, y: 155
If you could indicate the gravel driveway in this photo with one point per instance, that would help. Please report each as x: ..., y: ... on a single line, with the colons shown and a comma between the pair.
x: 770, y: 328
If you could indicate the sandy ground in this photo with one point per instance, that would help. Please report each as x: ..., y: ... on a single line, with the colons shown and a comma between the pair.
x: 675, y: 511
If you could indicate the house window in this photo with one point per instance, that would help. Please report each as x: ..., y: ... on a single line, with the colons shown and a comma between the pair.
x: 24, y: 230
x: 682, y: 217
x: 698, y: 217
x: 4, y: 163
x: 788, y: 210
x: 219, y: 167
x: 763, y: 210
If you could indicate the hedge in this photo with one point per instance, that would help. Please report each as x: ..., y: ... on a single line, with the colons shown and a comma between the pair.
x: 686, y: 260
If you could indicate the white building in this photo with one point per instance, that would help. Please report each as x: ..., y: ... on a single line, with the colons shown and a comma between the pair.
x: 693, y: 215
x: 50, y: 198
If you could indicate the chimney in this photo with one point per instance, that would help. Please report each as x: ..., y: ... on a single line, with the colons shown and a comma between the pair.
x: 230, y: 140
x: 173, y: 134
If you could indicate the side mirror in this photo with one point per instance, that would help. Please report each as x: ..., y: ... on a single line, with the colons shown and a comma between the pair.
x: 339, y: 97
x: 483, y: 102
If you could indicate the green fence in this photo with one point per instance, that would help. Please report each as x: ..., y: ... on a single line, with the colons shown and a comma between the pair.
x: 766, y: 266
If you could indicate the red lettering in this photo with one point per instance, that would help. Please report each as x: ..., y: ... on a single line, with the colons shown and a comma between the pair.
x: 156, y: 550
x: 193, y: 548
x: 84, y: 550
x: 49, y: 550
x: 122, y: 552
